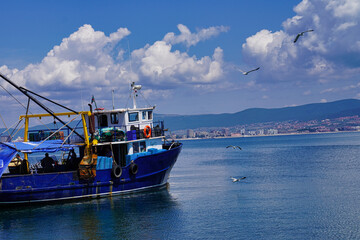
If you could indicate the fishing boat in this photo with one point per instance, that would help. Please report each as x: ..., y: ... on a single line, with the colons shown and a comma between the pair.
x: 109, y: 152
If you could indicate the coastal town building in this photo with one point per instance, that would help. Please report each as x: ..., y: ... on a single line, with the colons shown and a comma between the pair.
x: 350, y: 123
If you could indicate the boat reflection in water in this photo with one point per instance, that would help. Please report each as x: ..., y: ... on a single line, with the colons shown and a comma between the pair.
x: 104, y: 218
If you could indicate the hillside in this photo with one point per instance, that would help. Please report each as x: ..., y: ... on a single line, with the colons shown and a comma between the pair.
x: 314, y: 111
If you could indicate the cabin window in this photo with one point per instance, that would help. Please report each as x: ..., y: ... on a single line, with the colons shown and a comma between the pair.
x: 139, y: 147
x: 144, y: 115
x: 114, y: 118
x: 135, y: 147
x: 103, y: 122
x: 133, y: 117
x: 150, y: 115
x: 142, y: 146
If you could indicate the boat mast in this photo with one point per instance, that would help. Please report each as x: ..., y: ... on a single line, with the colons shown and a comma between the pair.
x: 112, y: 93
x: 26, y: 93
x: 135, y: 88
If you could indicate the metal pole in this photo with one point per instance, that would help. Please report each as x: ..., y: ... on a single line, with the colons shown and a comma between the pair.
x: 27, y: 90
x: 112, y: 92
x: 38, y: 103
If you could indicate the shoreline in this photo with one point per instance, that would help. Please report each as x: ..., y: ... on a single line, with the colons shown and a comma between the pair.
x: 273, y: 135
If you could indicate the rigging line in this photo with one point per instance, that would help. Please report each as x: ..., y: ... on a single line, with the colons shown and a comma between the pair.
x: 11, y: 126
x: 56, y: 131
x: 27, y: 110
x: 127, y: 101
x: 145, y: 99
x: 112, y: 154
x: 25, y: 92
x: 67, y: 137
x: 19, y: 129
x: 5, y: 126
x: 70, y: 134
x: 38, y: 119
x: 12, y: 96
x: 16, y: 126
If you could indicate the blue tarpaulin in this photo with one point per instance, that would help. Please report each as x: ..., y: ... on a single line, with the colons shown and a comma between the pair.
x: 8, y: 150
x: 47, y: 146
x: 6, y: 155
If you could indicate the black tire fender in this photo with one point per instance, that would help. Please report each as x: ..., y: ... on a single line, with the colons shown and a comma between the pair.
x: 116, y: 171
x: 133, y: 168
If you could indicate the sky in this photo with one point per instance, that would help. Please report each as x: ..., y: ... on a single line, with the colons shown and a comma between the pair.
x: 187, y: 55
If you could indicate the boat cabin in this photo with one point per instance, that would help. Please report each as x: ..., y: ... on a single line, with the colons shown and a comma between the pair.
x: 128, y: 131
x: 126, y: 120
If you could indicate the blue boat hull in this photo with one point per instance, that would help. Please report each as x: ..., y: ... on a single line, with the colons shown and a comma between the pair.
x: 153, y: 171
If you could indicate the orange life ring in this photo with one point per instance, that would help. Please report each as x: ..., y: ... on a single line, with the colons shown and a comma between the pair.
x: 147, y: 131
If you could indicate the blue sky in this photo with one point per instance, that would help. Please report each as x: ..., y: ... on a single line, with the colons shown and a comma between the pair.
x: 37, y: 26
x: 184, y: 53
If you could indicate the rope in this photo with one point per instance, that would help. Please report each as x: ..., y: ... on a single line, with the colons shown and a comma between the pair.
x: 12, y: 96
x: 18, y: 130
x: 70, y: 133
x: 9, y: 133
x: 23, y: 106
x: 171, y: 145
x: 16, y: 127
x: 128, y: 100
x: 11, y: 126
x: 5, y: 126
x: 112, y: 155
x: 145, y: 99
x: 56, y: 131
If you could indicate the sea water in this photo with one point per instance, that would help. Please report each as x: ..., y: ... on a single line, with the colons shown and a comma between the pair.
x: 296, y: 187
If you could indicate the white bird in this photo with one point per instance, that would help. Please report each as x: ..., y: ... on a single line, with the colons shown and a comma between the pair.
x: 301, y: 34
x: 234, y: 147
x: 246, y: 73
x: 237, y: 179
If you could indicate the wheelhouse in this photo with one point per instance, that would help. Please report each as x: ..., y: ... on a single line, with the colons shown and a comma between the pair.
x: 129, y: 132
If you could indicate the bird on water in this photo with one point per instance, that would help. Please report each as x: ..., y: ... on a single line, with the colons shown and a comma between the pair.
x: 237, y: 179
x: 234, y: 147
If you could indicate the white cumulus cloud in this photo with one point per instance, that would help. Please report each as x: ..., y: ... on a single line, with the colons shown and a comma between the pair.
x: 331, y: 51
x: 81, y: 58
x: 90, y: 62
x: 191, y: 39
x: 159, y: 65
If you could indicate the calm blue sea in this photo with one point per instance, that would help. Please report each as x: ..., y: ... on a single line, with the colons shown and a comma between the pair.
x: 296, y: 187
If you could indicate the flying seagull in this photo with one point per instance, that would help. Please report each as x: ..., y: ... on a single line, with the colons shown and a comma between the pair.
x: 234, y: 147
x: 246, y: 73
x: 237, y: 179
x: 301, y: 34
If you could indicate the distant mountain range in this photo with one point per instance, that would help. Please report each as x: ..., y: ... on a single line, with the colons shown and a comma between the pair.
x: 314, y: 111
